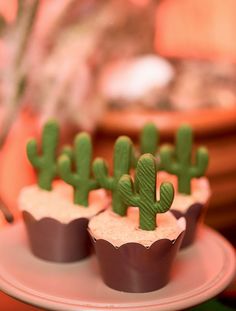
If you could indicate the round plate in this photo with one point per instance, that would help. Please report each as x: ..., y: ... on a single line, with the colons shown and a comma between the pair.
x: 200, y: 272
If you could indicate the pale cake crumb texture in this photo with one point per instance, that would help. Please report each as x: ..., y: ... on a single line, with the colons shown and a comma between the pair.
x: 58, y: 203
x: 200, y: 191
x: 120, y: 230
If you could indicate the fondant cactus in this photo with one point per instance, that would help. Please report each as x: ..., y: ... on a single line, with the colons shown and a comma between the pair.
x: 145, y: 196
x: 177, y: 160
x: 81, y: 179
x: 149, y: 140
x: 45, y: 164
x: 121, y: 165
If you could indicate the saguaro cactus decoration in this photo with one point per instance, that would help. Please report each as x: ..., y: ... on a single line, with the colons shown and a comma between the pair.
x: 121, y: 165
x: 177, y: 160
x: 80, y: 179
x: 145, y: 197
x: 46, y: 163
x: 149, y: 140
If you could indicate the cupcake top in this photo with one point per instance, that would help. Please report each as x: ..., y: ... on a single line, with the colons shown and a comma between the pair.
x: 121, y: 230
x: 58, y: 204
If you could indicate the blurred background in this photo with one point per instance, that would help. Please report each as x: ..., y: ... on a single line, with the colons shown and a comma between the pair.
x: 110, y: 66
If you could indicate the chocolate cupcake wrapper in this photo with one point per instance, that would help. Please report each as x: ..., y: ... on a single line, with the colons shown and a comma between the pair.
x: 135, y: 268
x: 192, y: 216
x: 54, y: 241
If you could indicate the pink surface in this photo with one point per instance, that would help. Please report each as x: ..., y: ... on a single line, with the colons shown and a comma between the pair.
x: 201, y: 272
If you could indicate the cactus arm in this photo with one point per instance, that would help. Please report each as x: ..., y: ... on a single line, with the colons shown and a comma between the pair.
x: 126, y: 190
x: 202, y: 159
x: 64, y: 168
x: 166, y: 198
x: 93, y: 184
x: 149, y: 139
x: 100, y: 171
x: 32, y: 153
x: 68, y: 151
x: 167, y: 160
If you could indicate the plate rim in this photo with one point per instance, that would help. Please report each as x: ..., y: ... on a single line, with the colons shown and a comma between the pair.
x: 206, y: 291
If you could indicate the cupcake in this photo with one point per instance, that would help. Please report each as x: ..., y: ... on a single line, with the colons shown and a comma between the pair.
x: 56, y: 225
x: 136, y: 251
x: 193, y: 191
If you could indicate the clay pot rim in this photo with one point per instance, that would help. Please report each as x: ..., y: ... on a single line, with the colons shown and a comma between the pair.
x: 204, y: 121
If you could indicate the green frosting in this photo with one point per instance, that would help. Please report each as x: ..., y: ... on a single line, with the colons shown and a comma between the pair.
x: 45, y: 164
x: 178, y: 160
x: 145, y: 196
x: 149, y: 140
x: 81, y: 179
x: 121, y: 165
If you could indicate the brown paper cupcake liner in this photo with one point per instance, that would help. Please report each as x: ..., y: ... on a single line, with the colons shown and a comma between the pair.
x: 192, y: 215
x: 135, y: 268
x: 54, y: 241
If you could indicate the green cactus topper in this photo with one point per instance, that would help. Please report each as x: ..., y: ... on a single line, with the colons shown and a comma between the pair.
x: 46, y: 163
x: 80, y: 179
x: 145, y: 197
x: 149, y: 140
x: 178, y: 161
x: 121, y: 165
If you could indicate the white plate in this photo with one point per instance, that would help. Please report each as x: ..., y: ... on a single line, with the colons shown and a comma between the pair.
x: 201, y: 272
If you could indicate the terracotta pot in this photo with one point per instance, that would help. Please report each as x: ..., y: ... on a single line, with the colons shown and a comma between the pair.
x: 205, y: 122
x: 214, y: 128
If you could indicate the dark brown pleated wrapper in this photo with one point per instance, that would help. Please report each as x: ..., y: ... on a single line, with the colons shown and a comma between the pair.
x: 193, y: 215
x: 54, y: 241
x: 135, y: 268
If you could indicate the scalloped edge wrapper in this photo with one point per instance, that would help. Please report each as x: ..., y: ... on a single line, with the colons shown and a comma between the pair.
x: 54, y: 241
x: 193, y: 216
x: 134, y: 268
